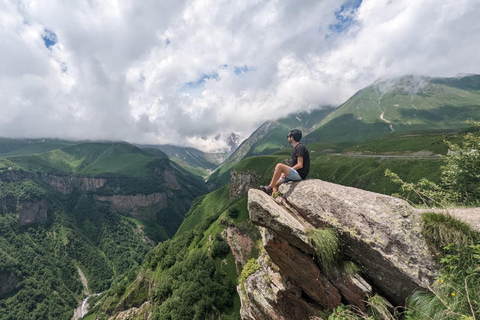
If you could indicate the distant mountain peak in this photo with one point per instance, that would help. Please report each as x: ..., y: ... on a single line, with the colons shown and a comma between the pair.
x: 409, y: 84
x: 234, y: 140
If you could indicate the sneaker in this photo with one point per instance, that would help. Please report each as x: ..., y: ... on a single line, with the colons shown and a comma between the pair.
x: 267, y: 189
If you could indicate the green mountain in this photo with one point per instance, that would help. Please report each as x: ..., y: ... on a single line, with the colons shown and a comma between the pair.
x: 9, y: 147
x: 406, y: 104
x: 191, y: 159
x: 97, y: 208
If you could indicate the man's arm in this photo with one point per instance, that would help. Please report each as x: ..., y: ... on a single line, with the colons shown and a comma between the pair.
x: 299, y: 164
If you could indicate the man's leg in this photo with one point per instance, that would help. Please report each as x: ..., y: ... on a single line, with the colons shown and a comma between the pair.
x: 279, y: 169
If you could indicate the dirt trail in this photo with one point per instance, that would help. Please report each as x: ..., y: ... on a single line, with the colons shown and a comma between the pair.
x: 387, y: 121
x: 415, y: 155
x: 382, y: 118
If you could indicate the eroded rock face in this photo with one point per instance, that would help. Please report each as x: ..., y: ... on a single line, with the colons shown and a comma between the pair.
x: 32, y: 211
x: 62, y: 184
x: 140, y: 205
x: 66, y: 184
x: 89, y: 184
x: 8, y: 283
x: 267, y: 294
x: 240, y: 244
x: 29, y: 211
x: 142, y: 312
x: 379, y: 233
x: 241, y: 182
x: 171, y: 180
x: 287, y: 245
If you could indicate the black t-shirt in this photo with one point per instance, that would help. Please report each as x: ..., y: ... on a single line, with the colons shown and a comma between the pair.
x: 301, y: 150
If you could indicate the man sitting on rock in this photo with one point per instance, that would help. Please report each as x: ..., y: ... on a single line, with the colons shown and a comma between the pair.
x: 297, y: 169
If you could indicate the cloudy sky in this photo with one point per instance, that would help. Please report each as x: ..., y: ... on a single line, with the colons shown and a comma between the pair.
x: 182, y: 72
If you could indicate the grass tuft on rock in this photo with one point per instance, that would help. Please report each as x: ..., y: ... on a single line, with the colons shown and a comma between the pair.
x: 379, y: 308
x: 326, y: 244
x: 350, y: 268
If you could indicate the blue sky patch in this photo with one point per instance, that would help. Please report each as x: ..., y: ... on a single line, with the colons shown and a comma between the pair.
x: 201, y: 81
x: 49, y: 38
x: 345, y: 16
x: 195, y: 88
x: 242, y: 70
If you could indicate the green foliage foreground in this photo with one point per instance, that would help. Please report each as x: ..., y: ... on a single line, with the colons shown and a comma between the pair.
x: 456, y: 292
x: 460, y: 175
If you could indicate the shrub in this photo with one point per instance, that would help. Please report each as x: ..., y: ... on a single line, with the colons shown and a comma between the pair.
x: 250, y: 267
x: 220, y: 248
x: 233, y: 212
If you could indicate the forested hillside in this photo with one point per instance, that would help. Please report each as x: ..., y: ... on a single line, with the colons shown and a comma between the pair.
x: 97, y: 207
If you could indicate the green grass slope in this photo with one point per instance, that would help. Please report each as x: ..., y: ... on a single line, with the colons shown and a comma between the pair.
x: 22, y: 147
x: 90, y: 159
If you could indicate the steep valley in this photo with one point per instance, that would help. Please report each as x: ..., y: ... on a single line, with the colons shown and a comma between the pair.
x: 103, y: 221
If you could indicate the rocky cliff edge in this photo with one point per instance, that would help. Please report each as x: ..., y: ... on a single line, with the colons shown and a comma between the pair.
x: 380, y: 234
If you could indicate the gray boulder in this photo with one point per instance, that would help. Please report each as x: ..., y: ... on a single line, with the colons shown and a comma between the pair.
x: 381, y: 234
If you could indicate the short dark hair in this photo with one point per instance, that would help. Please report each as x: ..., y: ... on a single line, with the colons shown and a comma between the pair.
x: 295, y: 134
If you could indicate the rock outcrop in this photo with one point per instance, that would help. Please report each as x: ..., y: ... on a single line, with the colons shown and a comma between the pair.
x: 139, y: 206
x: 267, y: 294
x: 241, y: 246
x: 381, y: 234
x: 8, y: 283
x: 171, y: 180
x: 241, y: 182
x: 62, y: 184
x: 66, y: 184
x: 89, y: 183
x: 32, y: 211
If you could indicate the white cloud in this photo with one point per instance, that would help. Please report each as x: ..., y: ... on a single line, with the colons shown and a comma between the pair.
x: 185, y: 71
